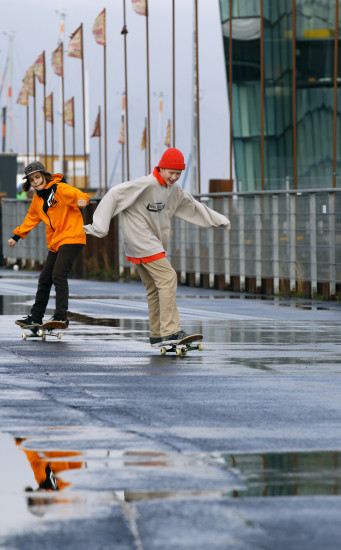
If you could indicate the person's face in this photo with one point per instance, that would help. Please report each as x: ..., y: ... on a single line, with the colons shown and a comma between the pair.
x: 37, y: 181
x: 170, y: 176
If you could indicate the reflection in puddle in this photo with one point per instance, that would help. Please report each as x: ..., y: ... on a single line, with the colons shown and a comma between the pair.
x: 93, y: 321
x: 46, y: 465
x: 287, y: 474
x: 256, y: 475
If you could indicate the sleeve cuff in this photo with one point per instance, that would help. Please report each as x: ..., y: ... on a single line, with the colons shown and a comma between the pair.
x: 16, y: 238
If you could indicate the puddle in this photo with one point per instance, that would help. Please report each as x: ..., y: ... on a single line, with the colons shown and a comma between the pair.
x: 39, y: 483
x: 47, y: 465
x: 287, y: 474
x: 16, y: 305
x: 93, y: 321
x: 255, y: 475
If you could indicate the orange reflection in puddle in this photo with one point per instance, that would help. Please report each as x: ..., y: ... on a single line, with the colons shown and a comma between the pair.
x: 46, y: 465
x: 149, y: 454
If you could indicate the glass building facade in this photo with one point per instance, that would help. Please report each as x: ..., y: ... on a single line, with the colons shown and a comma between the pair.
x: 282, y: 64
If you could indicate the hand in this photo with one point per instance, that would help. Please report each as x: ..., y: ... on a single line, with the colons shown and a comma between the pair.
x: 81, y: 203
x: 12, y: 243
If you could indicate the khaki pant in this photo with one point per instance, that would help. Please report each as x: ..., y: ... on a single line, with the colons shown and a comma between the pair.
x: 160, y: 281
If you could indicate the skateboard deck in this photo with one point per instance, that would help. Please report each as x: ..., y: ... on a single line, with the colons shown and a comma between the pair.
x: 181, y: 347
x: 46, y: 329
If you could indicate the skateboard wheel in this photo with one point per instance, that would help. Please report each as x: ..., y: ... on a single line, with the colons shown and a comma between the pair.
x: 43, y: 337
x: 163, y: 351
x: 178, y: 351
x: 24, y: 335
x: 59, y: 335
x: 200, y: 347
x: 40, y: 332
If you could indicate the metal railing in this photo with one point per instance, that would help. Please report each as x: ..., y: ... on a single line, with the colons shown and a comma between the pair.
x: 290, y: 238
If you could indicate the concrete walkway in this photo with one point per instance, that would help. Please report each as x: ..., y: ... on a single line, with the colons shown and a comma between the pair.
x: 234, y: 447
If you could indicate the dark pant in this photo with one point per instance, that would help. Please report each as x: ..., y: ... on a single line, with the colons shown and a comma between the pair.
x: 55, y: 271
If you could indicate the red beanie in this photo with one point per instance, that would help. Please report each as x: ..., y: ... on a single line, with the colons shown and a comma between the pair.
x: 172, y: 159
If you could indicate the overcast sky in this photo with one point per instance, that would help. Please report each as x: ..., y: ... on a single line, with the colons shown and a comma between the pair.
x: 35, y: 27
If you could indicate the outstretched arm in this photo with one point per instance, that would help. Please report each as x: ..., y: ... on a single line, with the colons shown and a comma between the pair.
x: 196, y: 212
x: 102, y: 216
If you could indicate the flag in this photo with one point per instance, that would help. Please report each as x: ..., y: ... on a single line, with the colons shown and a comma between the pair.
x: 49, y: 108
x: 74, y: 48
x: 23, y: 96
x: 121, y: 138
x: 140, y: 6
x: 144, y: 140
x: 97, y: 127
x: 28, y: 81
x: 39, y: 68
x: 57, y: 60
x: 69, y: 118
x: 98, y: 29
x: 168, y: 134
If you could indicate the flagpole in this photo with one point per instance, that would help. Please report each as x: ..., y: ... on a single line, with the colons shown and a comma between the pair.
x: 125, y: 32
x: 230, y: 87
x: 148, y: 93
x: 105, y: 119
x: 74, y: 142
x: 44, y: 83
x: 63, y: 111
x: 173, y: 48
x: 146, y: 150
x: 52, y: 142
x: 84, y: 123
x: 28, y: 133
x: 197, y: 86
x: 122, y: 150
x: 34, y: 118
x: 61, y: 137
x: 100, y: 152
x: 336, y: 42
x: 159, y: 140
x: 9, y: 94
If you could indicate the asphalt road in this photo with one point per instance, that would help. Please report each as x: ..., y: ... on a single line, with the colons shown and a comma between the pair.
x: 234, y: 447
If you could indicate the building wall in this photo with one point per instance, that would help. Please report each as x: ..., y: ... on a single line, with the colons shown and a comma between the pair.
x: 297, y: 120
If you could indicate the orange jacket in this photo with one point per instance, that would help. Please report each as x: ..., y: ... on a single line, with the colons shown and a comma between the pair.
x: 40, y: 463
x: 56, y: 206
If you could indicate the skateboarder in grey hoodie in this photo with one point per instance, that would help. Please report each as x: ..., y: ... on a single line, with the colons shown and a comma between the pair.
x: 147, y: 205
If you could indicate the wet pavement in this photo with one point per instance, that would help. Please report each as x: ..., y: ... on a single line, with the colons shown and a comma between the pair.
x: 107, y: 444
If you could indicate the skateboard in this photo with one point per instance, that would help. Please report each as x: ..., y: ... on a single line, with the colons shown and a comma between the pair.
x: 181, y: 347
x: 46, y: 329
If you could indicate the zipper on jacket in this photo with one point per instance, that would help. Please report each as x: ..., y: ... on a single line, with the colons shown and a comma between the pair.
x: 50, y: 222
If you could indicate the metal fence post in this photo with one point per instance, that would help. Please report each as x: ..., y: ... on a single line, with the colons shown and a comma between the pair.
x: 211, y: 252
x: 312, y: 228
x: 196, y: 233
x: 275, y: 244
x: 227, y: 269
x: 182, y: 247
x: 292, y: 243
x: 241, y: 244
x: 258, y: 241
x: 332, y: 269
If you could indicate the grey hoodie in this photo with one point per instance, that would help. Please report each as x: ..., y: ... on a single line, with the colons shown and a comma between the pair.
x: 147, y: 208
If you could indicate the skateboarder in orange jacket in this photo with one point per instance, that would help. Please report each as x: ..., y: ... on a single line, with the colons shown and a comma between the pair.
x: 57, y: 204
